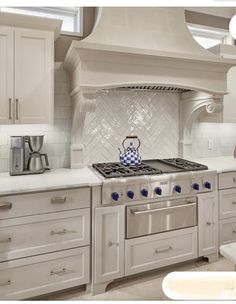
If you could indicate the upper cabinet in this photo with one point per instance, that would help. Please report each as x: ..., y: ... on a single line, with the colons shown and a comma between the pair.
x: 229, y: 112
x: 27, y: 69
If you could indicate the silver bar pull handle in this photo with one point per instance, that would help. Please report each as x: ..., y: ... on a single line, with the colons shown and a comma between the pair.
x: 61, y: 232
x: 6, y: 240
x: 161, y: 209
x: 10, y: 112
x: 163, y: 249
x: 61, y: 272
x: 17, y: 108
x: 4, y: 283
x: 110, y: 243
x: 58, y: 200
x: 5, y: 205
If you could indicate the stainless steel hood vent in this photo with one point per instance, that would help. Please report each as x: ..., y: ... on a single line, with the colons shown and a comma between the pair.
x: 153, y: 88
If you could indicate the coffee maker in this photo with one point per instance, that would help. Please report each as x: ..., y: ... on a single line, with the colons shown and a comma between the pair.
x: 25, y: 155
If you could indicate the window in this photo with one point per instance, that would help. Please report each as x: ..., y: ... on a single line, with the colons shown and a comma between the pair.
x: 72, y: 16
x: 208, y: 37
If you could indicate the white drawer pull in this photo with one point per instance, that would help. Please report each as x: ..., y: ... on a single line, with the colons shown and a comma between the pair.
x: 64, y: 231
x: 4, y: 283
x: 110, y: 243
x: 58, y: 200
x: 163, y: 249
x: 208, y: 223
x: 60, y: 272
x: 6, y: 240
x: 5, y: 205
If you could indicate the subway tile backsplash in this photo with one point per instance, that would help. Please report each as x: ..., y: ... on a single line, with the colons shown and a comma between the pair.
x: 56, y: 136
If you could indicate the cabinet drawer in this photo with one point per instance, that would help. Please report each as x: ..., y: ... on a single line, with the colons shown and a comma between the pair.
x: 227, y: 180
x: 29, y: 277
x: 44, y: 202
x: 227, y: 203
x: 32, y: 235
x: 149, y: 252
x: 227, y: 231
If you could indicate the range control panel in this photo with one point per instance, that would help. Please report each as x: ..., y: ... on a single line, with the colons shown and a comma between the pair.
x: 146, y: 188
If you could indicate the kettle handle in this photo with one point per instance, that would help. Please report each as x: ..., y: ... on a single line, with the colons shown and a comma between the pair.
x: 130, y: 137
x: 46, y: 159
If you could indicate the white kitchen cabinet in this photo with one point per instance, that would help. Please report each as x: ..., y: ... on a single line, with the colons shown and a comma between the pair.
x: 229, y: 112
x: 27, y: 69
x: 109, y: 243
x: 6, y: 75
x: 208, y: 223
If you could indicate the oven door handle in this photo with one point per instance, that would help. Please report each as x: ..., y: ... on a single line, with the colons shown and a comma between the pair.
x: 161, y: 209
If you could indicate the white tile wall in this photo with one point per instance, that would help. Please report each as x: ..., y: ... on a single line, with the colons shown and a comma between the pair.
x: 56, y: 136
x: 223, y: 135
x: 152, y: 116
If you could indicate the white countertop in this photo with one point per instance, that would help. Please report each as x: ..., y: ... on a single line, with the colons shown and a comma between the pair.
x: 220, y: 164
x: 50, y: 180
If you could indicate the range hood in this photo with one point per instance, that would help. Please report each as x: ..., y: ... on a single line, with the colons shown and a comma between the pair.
x: 144, y: 49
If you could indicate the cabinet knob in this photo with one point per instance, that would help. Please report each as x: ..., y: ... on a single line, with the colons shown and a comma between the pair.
x: 234, y: 203
x: 234, y: 231
x: 110, y: 243
x: 208, y: 223
x: 234, y: 179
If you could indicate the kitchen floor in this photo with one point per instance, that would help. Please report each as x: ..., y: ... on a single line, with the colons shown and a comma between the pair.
x: 143, y: 287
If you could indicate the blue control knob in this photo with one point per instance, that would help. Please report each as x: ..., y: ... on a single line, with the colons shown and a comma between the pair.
x: 115, y: 196
x: 130, y: 194
x: 207, y: 185
x: 177, y: 189
x: 144, y: 192
x: 195, y: 186
x: 158, y: 190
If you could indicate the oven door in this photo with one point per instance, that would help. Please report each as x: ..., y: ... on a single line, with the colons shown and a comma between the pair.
x: 159, y: 217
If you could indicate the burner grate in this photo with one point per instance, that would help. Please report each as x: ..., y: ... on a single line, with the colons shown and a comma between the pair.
x: 110, y: 170
x: 184, y: 164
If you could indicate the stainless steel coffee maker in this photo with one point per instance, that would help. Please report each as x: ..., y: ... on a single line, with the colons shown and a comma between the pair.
x: 25, y: 156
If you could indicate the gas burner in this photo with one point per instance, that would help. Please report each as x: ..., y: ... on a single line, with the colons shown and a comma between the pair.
x: 184, y: 164
x: 110, y: 170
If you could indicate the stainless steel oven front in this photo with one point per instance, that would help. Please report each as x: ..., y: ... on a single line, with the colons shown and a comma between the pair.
x: 161, y: 216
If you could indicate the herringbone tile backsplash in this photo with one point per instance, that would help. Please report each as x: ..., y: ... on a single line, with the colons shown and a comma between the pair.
x: 152, y: 116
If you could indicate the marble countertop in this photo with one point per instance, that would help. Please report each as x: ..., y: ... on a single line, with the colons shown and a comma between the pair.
x: 221, y: 164
x: 50, y: 180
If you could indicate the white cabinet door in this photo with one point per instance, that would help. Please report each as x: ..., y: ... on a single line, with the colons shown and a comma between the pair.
x: 109, y: 243
x: 208, y: 223
x: 6, y: 75
x: 33, y: 76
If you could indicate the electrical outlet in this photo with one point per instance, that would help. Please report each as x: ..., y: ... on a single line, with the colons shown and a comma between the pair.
x: 210, y: 144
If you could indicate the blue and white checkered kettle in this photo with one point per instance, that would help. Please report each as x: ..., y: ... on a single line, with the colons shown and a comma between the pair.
x: 130, y: 156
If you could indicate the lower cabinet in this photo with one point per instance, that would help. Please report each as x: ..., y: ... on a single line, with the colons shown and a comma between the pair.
x: 208, y: 223
x: 109, y: 243
x: 227, y: 231
x: 29, y: 277
x: 154, y: 251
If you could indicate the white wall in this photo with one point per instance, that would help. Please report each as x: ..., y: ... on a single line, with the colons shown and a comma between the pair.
x: 223, y: 135
x: 56, y: 137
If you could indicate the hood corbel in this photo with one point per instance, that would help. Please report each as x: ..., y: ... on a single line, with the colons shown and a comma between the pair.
x: 192, y: 105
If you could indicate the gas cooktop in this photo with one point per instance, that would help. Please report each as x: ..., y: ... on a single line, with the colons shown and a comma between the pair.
x: 148, y: 167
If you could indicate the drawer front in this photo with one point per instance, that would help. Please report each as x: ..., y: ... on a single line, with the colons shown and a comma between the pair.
x: 227, y: 203
x: 227, y: 231
x: 34, y: 276
x: 146, y: 253
x: 44, y: 202
x: 227, y: 180
x: 38, y: 234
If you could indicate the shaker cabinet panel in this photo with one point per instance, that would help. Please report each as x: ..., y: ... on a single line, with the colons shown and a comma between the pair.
x: 6, y: 75
x: 109, y: 243
x: 208, y: 223
x: 33, y: 76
